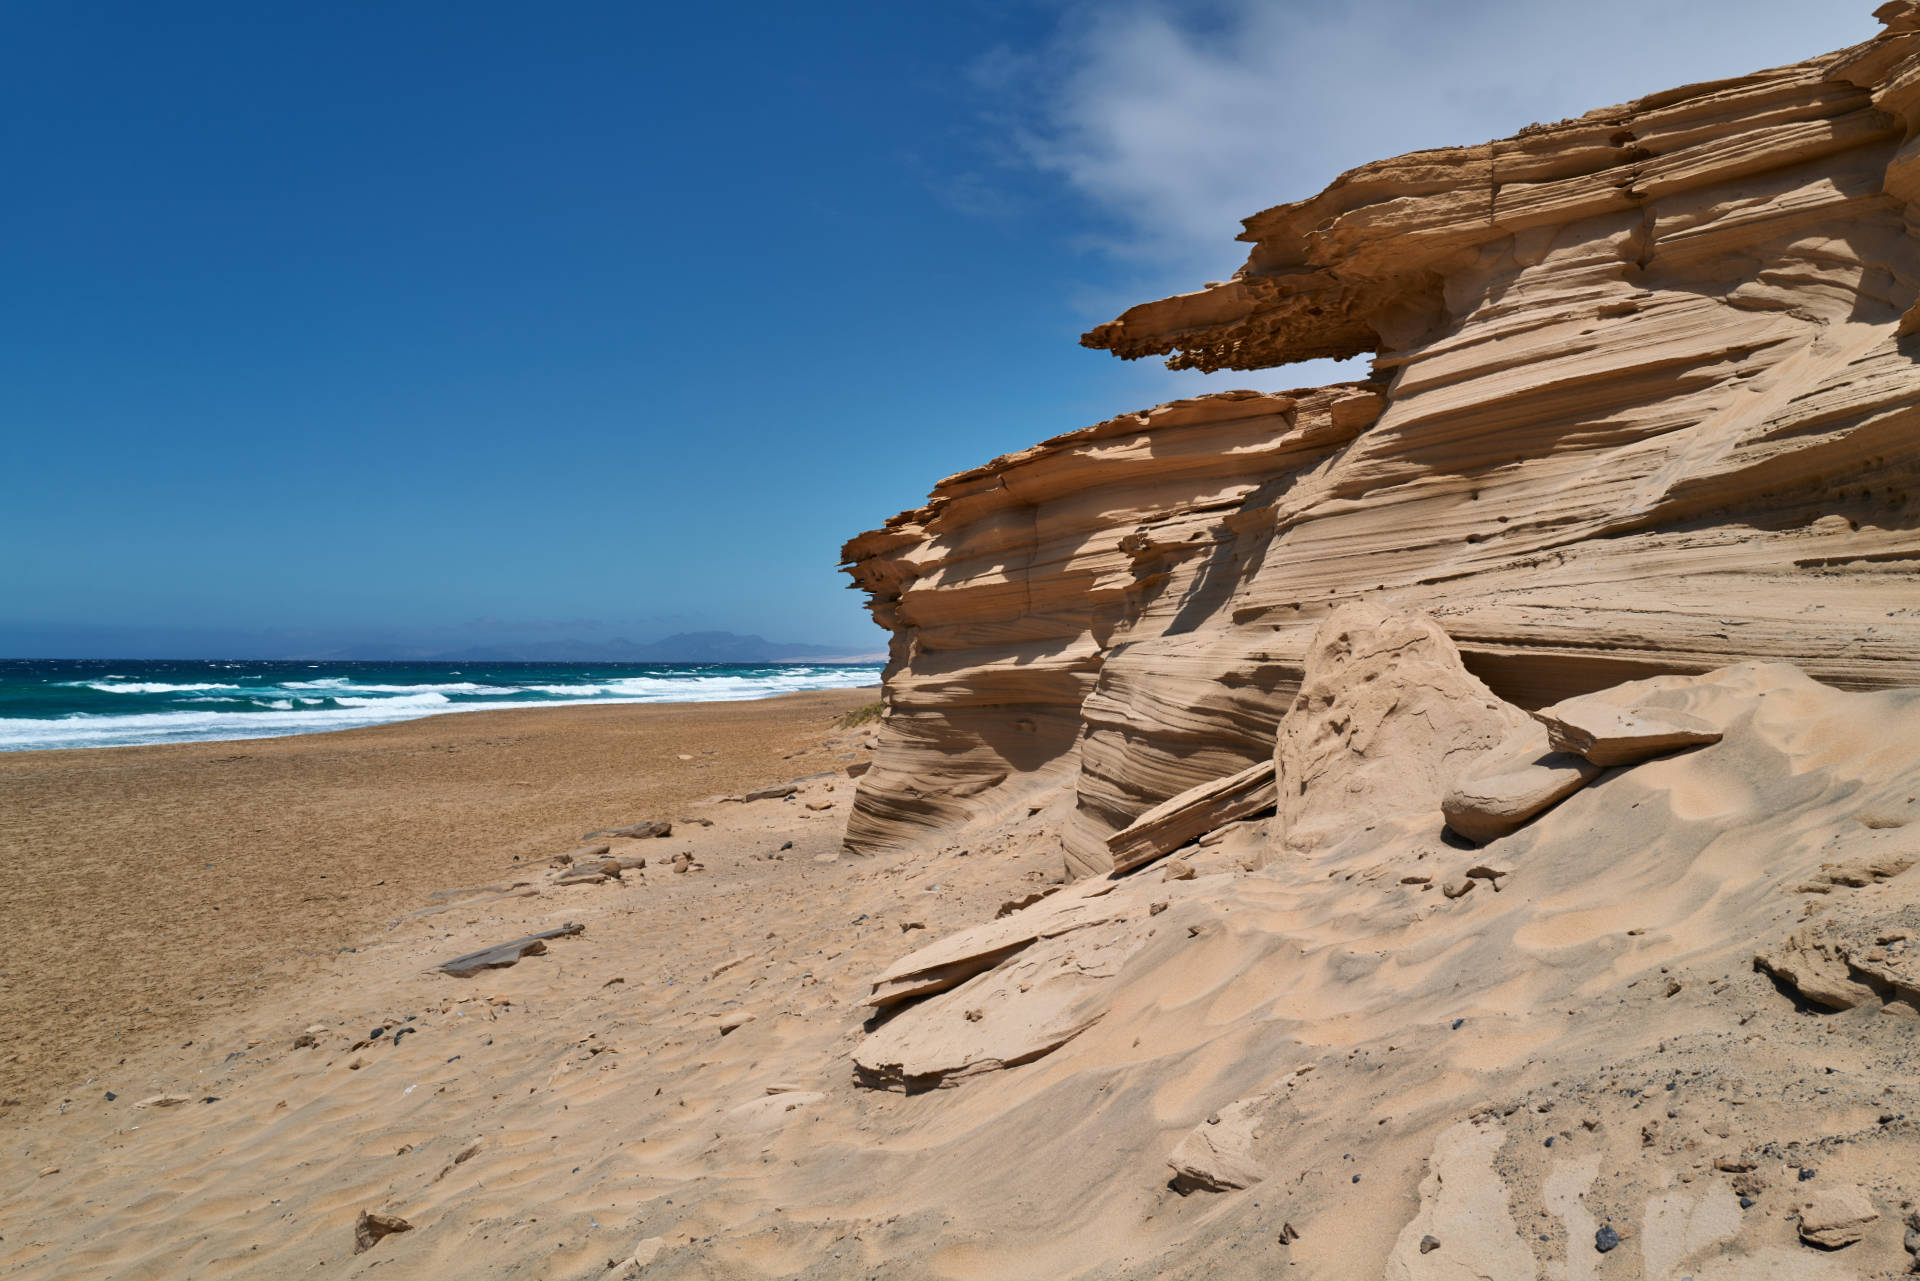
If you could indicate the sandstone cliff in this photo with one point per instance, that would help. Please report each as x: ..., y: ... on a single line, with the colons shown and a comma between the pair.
x: 1643, y: 401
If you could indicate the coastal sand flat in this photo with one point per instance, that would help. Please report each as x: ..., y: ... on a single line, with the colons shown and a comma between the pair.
x: 147, y: 887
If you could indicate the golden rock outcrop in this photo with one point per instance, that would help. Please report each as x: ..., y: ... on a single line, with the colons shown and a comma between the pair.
x: 1644, y: 400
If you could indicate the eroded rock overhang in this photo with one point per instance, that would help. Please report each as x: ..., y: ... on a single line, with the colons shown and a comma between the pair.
x: 1644, y: 401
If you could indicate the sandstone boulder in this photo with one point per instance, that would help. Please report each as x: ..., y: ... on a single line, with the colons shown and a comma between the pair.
x: 1385, y: 716
x: 1836, y: 1217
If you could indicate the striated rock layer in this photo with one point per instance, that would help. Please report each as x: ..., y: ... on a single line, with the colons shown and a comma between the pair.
x: 1644, y: 401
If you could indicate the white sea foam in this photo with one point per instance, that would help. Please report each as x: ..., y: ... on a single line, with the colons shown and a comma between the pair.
x: 349, y: 710
x: 347, y: 685
x: 145, y: 687
x: 430, y: 699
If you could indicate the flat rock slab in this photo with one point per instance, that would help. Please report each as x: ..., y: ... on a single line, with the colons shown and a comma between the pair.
x: 1030, y: 1007
x: 1815, y: 965
x: 1836, y: 1217
x: 779, y: 793
x: 956, y: 958
x: 1609, y: 736
x: 1516, y: 783
x: 504, y: 954
x: 1217, y: 1155
x: 637, y: 831
x: 1466, y: 1206
x: 1193, y: 814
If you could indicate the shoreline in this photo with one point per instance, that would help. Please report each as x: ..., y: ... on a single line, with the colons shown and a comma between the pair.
x: 579, y: 704
x: 157, y: 885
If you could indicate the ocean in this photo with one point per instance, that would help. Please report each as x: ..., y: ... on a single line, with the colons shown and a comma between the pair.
x: 122, y: 702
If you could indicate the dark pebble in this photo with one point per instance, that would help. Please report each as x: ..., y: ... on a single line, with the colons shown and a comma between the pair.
x: 1458, y: 1024
x: 1356, y: 1178
x: 1605, y: 1239
x: 111, y: 1096
x: 1807, y: 1172
x: 1549, y: 1142
x: 1746, y: 1203
x: 787, y: 846
x: 376, y: 1034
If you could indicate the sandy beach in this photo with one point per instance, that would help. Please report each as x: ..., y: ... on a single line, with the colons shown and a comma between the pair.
x: 741, y: 1052
x: 151, y: 888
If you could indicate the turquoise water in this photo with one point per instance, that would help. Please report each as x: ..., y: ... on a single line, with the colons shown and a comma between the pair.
x: 121, y: 702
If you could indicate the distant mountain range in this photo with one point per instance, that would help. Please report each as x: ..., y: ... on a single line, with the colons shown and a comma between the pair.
x: 684, y: 647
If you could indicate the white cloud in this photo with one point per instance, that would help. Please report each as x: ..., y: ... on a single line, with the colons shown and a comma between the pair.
x: 1172, y: 122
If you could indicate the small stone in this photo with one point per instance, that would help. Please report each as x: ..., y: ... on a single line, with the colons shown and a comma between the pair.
x: 163, y: 1101
x: 644, y: 1253
x: 370, y: 1228
x: 1605, y: 1239
x: 819, y: 806
x: 1429, y: 1243
x: 1456, y: 887
x: 1154, y: 909
x: 1178, y: 870
x: 1287, y: 1235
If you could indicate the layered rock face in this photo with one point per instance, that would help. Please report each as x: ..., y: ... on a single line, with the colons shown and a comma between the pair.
x: 1644, y: 402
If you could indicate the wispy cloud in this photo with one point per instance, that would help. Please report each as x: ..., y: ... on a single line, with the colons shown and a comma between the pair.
x: 1173, y: 121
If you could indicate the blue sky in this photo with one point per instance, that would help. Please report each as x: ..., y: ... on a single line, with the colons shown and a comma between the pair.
x: 482, y: 319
